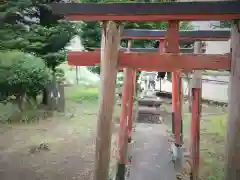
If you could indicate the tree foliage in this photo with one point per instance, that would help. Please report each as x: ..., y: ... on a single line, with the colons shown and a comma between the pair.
x: 31, y: 27
x: 22, y: 74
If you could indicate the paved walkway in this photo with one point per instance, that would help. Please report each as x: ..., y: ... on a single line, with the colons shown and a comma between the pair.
x: 151, y: 157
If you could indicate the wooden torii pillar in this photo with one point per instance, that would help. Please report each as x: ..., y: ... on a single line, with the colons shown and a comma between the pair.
x: 131, y: 93
x: 111, y: 59
x: 232, y: 144
x: 125, y: 133
x: 172, y: 46
x: 196, y: 91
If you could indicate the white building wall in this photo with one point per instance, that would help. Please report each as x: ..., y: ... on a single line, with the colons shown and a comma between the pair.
x: 217, y: 47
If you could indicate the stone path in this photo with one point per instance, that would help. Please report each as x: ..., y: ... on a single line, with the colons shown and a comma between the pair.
x: 151, y: 157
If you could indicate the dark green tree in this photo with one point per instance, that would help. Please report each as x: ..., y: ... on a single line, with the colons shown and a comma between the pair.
x: 21, y: 75
x: 31, y: 27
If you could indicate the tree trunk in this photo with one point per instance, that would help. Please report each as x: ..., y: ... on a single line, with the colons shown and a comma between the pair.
x: 19, y: 100
x: 45, y: 97
x: 20, y: 104
x: 46, y: 18
x: 47, y: 90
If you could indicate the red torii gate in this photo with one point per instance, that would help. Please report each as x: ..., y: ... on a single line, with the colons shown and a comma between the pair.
x: 143, y: 34
x: 130, y: 34
x: 111, y: 59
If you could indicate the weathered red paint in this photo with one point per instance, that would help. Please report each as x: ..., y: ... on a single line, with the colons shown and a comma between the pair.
x: 76, y: 58
x: 127, y: 84
x: 166, y: 62
x: 131, y: 102
x: 127, y: 108
x: 172, y: 46
x: 161, y: 45
x: 195, y: 132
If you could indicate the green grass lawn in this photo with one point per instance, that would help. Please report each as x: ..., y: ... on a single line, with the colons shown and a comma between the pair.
x: 211, y: 145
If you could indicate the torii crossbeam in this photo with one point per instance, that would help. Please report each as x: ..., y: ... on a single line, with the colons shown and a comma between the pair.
x: 188, y: 36
x: 166, y: 62
x: 190, y: 11
x: 137, y: 59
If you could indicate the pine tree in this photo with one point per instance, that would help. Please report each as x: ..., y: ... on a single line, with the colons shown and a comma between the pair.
x: 31, y: 27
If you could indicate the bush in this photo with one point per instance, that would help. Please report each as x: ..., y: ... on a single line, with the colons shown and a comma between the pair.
x: 22, y: 75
